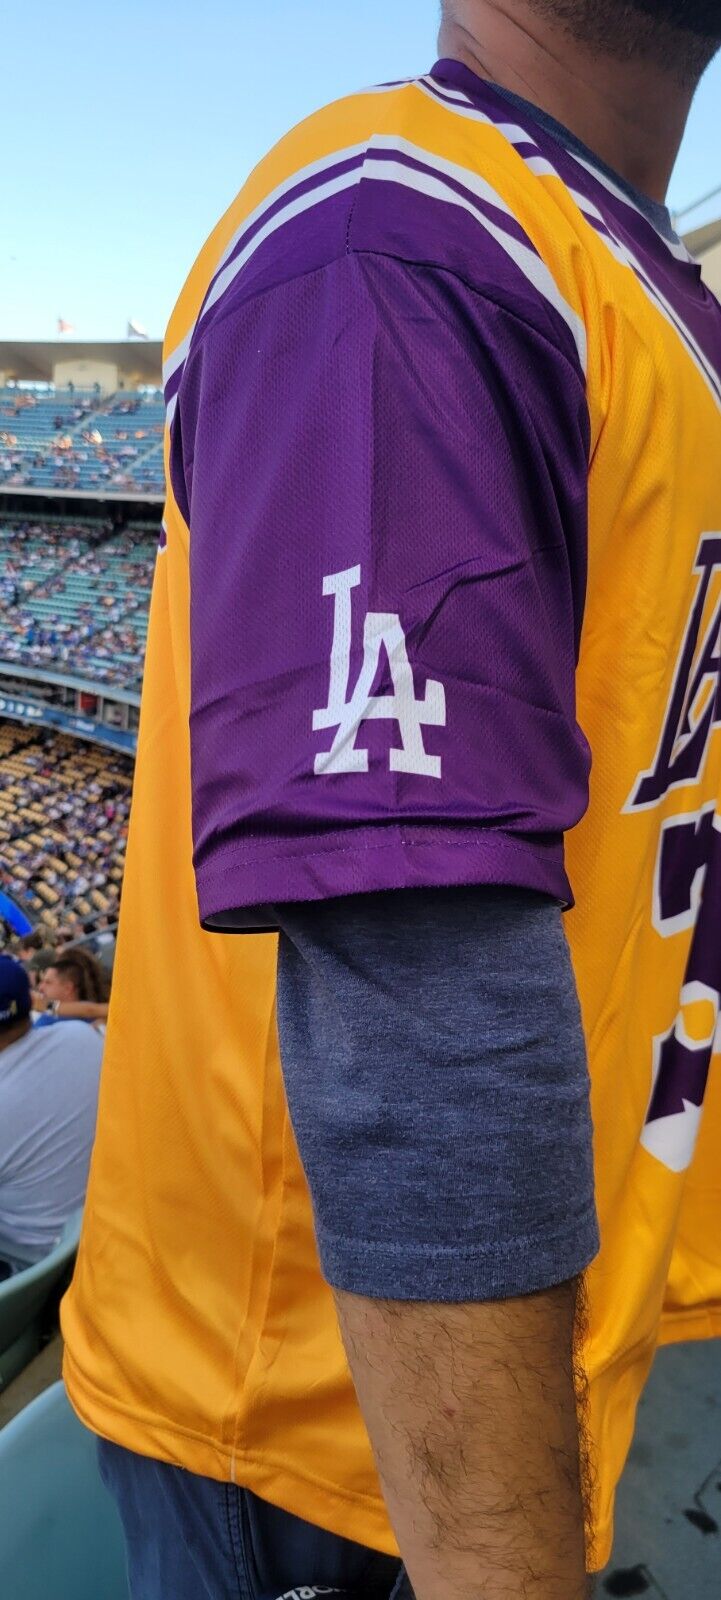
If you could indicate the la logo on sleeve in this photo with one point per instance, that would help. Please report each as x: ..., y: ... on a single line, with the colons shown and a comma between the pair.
x: 347, y: 710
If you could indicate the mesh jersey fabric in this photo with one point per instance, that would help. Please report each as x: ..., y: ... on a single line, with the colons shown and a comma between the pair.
x: 353, y: 440
x: 199, y: 1321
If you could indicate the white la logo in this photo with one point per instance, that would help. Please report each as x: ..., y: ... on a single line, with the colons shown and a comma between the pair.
x: 382, y: 630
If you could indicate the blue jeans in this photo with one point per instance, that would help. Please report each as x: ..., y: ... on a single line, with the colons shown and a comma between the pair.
x: 190, y: 1538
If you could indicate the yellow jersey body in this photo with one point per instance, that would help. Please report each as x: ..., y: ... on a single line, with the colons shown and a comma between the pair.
x: 198, y: 1328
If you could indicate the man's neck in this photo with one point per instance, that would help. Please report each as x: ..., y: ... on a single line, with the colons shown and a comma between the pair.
x: 10, y: 1036
x: 632, y: 113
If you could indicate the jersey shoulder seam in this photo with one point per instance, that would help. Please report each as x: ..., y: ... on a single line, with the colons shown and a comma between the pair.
x: 482, y: 293
x: 414, y: 264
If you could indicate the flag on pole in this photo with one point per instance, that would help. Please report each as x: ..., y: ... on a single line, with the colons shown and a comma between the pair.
x: 65, y: 327
x: 137, y: 331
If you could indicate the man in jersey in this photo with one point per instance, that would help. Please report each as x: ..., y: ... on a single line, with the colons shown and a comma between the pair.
x: 444, y: 425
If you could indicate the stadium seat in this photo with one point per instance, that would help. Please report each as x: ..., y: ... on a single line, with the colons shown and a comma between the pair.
x: 23, y: 1299
x: 60, y: 1535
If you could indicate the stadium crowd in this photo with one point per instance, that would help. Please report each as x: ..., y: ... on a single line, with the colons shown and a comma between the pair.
x: 58, y: 440
x: 63, y: 826
x: 74, y: 599
x: 50, y: 1053
x: 74, y: 596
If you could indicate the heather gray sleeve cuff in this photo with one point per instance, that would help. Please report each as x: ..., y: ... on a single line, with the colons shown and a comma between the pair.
x: 436, y: 1074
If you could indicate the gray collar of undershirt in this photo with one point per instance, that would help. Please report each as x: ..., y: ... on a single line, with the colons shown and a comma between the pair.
x: 658, y: 215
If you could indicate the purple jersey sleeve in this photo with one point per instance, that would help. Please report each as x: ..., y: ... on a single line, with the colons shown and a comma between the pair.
x: 384, y: 474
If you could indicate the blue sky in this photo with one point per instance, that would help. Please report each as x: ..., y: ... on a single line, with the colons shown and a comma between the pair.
x: 129, y: 127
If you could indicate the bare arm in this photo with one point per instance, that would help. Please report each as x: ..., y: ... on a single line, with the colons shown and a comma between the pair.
x: 472, y: 1414
x: 84, y: 1010
x: 436, y: 1073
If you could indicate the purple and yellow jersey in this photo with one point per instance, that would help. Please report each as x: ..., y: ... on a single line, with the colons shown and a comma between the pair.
x: 438, y: 602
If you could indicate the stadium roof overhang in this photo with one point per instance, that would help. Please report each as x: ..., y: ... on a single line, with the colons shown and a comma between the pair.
x: 34, y: 360
x: 701, y: 240
x: 704, y: 244
x: 99, y: 496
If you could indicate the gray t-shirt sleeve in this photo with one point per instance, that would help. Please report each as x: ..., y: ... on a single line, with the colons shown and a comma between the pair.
x: 435, y: 1068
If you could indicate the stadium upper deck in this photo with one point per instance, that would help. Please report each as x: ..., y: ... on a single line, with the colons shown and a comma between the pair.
x: 63, y: 441
x: 74, y: 597
x: 82, y: 419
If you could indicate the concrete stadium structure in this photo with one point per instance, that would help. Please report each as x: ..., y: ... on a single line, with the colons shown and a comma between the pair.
x: 705, y: 245
x: 124, y: 364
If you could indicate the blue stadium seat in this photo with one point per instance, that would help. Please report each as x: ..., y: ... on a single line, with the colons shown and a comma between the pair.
x: 60, y: 1534
x: 23, y: 1299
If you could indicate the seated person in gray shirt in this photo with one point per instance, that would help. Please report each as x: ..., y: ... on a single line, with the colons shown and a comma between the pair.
x: 48, y: 1103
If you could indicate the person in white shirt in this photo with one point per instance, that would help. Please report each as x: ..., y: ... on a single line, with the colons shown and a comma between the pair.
x: 48, y: 1103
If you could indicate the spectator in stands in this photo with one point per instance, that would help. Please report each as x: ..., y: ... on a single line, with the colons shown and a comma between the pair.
x: 38, y: 964
x: 66, y: 789
x: 74, y: 987
x: 27, y: 580
x: 48, y: 1103
x: 71, y: 931
x: 28, y: 946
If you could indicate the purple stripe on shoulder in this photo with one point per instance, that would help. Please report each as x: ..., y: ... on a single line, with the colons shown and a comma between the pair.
x: 434, y: 88
x: 299, y: 245
x: 499, y: 114
x: 173, y: 383
x: 395, y: 219
x: 660, y: 270
x: 498, y: 214
x: 305, y: 186
x: 273, y: 211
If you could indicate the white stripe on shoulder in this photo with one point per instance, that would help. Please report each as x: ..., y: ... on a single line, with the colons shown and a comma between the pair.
x: 510, y: 130
x: 431, y: 183
x: 538, y: 164
x: 544, y: 168
x: 176, y: 359
x: 541, y: 166
x: 675, y: 247
x: 294, y: 208
x: 622, y: 254
x: 385, y: 88
x: 300, y: 176
x: 442, y: 89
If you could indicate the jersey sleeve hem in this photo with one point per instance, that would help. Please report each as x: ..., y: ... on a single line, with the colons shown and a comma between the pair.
x: 361, y: 862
